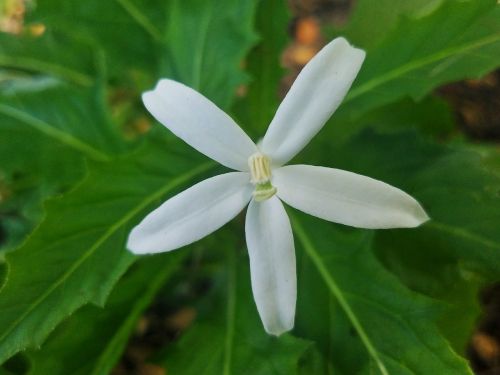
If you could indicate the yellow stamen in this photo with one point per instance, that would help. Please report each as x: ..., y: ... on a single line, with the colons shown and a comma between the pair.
x: 260, y: 168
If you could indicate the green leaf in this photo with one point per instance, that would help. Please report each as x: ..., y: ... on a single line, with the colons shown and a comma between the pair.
x: 81, y: 240
x: 458, y: 192
x: 256, y: 109
x: 112, y: 26
x: 431, y: 116
x: 77, y: 254
x: 371, y: 21
x: 205, y: 39
x: 440, y: 276
x: 200, y: 43
x: 75, y: 118
x: 51, y: 128
x: 395, y: 326
x: 229, y: 338
x: 53, y: 53
x: 461, y: 39
x: 455, y: 253
x: 92, y: 340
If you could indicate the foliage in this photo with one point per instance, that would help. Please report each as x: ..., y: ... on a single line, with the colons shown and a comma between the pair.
x: 79, y: 167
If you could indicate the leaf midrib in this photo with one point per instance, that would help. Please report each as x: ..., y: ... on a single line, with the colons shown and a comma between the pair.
x: 340, y: 296
x: 198, y: 58
x: 417, y: 64
x: 141, y: 19
x: 37, y: 65
x: 414, y: 332
x: 113, y: 228
x: 53, y: 132
x: 462, y: 233
x: 336, y: 291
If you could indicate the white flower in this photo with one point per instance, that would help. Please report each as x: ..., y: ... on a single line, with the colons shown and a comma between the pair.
x: 262, y: 180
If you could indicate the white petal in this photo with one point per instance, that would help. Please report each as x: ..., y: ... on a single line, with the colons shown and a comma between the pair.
x: 347, y: 198
x: 192, y: 214
x: 199, y: 123
x: 272, y: 264
x: 314, y: 96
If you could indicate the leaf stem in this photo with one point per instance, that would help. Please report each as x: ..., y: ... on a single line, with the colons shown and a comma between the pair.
x: 335, y: 290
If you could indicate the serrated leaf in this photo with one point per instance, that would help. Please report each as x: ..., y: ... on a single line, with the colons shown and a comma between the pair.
x: 371, y: 21
x: 455, y: 253
x: 461, y: 39
x: 395, y: 326
x: 91, y: 341
x: 49, y: 128
x: 77, y: 254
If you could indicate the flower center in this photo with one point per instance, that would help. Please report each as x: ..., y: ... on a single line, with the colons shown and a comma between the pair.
x: 260, y: 170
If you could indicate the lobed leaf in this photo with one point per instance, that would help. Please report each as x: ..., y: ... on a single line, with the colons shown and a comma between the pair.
x: 103, y: 333
x: 371, y: 21
x: 77, y: 254
x: 460, y: 39
x: 49, y: 128
x: 395, y: 326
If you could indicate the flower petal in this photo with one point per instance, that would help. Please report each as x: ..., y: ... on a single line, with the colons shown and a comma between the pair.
x: 313, y: 97
x: 272, y: 264
x: 347, y: 198
x: 199, y: 123
x: 192, y: 214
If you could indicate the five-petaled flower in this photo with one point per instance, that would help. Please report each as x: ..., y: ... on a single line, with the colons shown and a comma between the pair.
x: 263, y: 182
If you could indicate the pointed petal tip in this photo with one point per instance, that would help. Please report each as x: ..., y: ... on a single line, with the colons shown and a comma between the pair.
x: 415, y: 216
x: 347, y: 198
x: 272, y: 264
x: 313, y: 98
x: 421, y: 216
